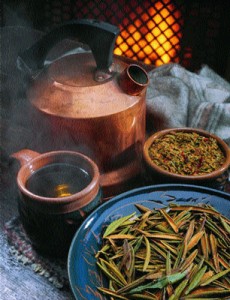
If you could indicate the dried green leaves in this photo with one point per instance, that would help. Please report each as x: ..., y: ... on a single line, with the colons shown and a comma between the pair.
x: 186, y: 153
x: 180, y: 252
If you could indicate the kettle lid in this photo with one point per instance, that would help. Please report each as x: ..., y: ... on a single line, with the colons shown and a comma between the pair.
x: 73, y: 93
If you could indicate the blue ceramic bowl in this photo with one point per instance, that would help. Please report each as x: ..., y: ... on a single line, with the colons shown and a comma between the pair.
x: 84, y: 276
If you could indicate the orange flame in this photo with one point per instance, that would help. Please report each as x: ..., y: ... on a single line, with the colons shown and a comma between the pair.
x: 154, y: 37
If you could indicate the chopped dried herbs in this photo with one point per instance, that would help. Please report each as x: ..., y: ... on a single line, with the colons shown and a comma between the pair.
x: 186, y: 153
x: 160, y: 257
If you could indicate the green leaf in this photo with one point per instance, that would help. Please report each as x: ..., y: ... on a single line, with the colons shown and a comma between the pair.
x: 147, y: 255
x: 195, y: 280
x: 225, y: 225
x: 115, y: 224
x: 160, y: 283
x: 111, y: 293
x: 215, y: 277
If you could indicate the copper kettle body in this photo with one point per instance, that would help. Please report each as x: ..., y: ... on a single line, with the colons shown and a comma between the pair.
x: 95, y: 98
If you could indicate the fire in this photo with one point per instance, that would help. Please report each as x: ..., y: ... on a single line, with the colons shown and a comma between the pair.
x: 154, y: 37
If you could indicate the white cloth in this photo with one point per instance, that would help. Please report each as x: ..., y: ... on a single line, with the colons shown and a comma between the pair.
x: 177, y: 97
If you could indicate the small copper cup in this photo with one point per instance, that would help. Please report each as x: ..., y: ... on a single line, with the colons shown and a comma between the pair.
x: 51, y: 222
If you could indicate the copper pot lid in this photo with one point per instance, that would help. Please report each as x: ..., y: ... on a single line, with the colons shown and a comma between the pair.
x: 68, y: 89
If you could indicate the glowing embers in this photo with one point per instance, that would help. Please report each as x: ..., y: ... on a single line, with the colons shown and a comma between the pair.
x: 151, y: 34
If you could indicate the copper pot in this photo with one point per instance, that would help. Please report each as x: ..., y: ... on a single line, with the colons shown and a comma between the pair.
x: 94, y: 97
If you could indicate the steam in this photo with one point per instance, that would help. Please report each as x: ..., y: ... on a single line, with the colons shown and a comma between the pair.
x: 15, y: 14
x: 21, y: 127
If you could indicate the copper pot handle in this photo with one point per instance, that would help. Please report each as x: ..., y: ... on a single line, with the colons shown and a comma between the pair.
x: 98, y: 35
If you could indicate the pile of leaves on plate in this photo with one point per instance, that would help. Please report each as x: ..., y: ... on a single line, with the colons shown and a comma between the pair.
x: 177, y: 252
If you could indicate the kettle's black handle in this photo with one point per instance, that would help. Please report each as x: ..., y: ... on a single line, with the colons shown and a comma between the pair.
x: 98, y: 35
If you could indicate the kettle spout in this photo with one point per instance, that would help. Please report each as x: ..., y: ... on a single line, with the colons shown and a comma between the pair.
x: 133, y: 80
x: 25, y: 155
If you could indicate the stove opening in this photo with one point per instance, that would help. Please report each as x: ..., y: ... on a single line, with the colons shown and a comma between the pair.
x: 156, y: 32
x: 151, y: 33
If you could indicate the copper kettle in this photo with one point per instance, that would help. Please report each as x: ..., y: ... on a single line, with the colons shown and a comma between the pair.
x: 95, y: 96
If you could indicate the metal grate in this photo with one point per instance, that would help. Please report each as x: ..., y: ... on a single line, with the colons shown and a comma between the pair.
x: 151, y: 32
x: 157, y: 31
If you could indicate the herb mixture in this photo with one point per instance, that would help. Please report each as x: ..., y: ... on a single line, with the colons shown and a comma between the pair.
x: 178, y: 252
x: 186, y: 153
